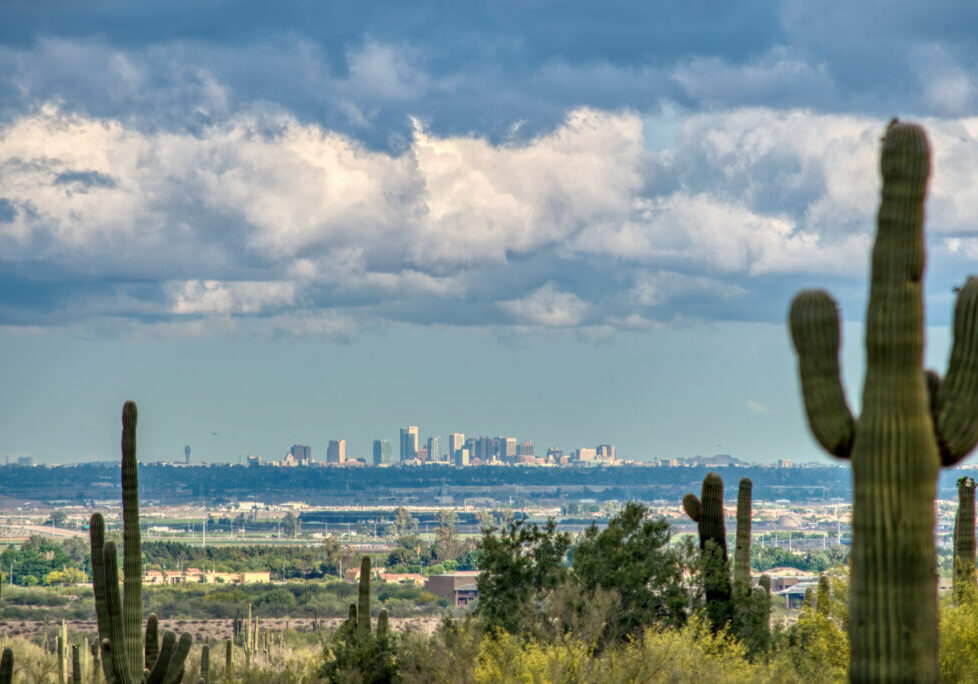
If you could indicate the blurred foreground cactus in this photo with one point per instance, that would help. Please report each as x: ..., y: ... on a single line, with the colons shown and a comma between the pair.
x: 911, y: 424
x: 120, y: 619
x: 7, y: 666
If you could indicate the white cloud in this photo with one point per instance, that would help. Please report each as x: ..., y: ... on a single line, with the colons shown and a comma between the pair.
x: 216, y: 297
x: 548, y: 307
x: 264, y: 214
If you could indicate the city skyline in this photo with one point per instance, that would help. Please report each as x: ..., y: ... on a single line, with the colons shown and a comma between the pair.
x: 570, y: 223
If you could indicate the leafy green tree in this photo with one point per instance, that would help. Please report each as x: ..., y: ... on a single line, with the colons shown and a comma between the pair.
x: 448, y: 545
x: 518, y: 565
x: 633, y: 557
x: 290, y: 525
x: 404, y: 522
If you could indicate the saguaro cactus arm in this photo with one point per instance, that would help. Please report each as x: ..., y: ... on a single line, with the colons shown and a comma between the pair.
x: 956, y: 404
x: 814, y: 320
x: 692, y: 507
x: 163, y: 659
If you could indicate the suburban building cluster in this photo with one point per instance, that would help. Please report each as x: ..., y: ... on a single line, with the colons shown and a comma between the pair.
x: 459, y: 451
x: 197, y: 576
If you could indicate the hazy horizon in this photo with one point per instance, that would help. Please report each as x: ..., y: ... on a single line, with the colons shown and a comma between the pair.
x: 569, y: 224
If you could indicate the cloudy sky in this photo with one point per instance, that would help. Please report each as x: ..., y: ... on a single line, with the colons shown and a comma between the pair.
x: 572, y: 222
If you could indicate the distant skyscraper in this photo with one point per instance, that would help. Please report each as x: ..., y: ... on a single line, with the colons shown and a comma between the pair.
x: 336, y: 451
x: 606, y: 452
x: 524, y: 449
x: 383, y: 452
x: 409, y: 443
x: 456, y: 441
x: 462, y: 457
x: 434, y: 448
x: 507, y: 449
x: 301, y: 453
x: 186, y: 454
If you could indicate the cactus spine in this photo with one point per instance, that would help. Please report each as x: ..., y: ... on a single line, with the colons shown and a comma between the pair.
x: 964, y: 540
x: 6, y: 666
x: 120, y: 618
x: 904, y: 433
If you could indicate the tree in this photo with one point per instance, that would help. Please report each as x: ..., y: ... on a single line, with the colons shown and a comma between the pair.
x: 404, y: 522
x: 632, y: 556
x: 519, y: 564
x: 290, y: 525
x: 447, y: 543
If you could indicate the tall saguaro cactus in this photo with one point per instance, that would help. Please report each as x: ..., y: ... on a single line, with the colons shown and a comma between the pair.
x: 707, y: 512
x: 742, y: 551
x: 120, y: 618
x: 905, y: 432
x: 963, y: 577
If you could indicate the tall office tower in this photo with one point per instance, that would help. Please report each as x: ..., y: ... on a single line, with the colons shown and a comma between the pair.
x: 336, y: 451
x: 506, y: 446
x: 606, y: 452
x: 434, y: 449
x: 554, y: 455
x: 383, y: 452
x: 186, y: 454
x: 409, y: 443
x: 462, y: 457
x: 301, y: 453
x: 524, y: 449
x: 456, y: 441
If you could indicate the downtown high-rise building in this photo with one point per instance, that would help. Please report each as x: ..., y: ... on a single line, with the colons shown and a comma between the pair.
x: 383, y: 452
x: 434, y: 449
x: 301, y: 454
x: 336, y: 451
x: 506, y: 448
x: 409, y: 443
x: 456, y: 441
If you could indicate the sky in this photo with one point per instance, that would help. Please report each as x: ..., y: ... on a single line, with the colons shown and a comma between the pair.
x: 571, y: 222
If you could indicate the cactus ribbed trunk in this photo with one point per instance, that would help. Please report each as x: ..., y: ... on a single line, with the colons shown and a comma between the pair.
x: 742, y: 551
x: 132, y: 554
x: 6, y: 666
x: 707, y: 511
x: 964, y: 540
x: 911, y: 424
x: 363, y: 604
x: 205, y: 663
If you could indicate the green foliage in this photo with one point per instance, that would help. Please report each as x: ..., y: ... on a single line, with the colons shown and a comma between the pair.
x: 517, y: 566
x: 816, y: 560
x: 959, y: 638
x: 38, y: 557
x: 632, y: 556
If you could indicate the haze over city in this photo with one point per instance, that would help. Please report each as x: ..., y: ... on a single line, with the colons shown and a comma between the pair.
x: 299, y: 223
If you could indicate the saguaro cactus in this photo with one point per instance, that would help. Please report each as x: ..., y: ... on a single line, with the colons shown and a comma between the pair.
x: 964, y: 539
x: 120, y: 618
x: 363, y: 602
x: 707, y: 511
x: 6, y: 666
x: 904, y: 433
x: 742, y: 550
